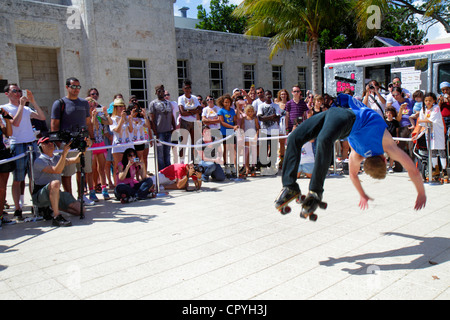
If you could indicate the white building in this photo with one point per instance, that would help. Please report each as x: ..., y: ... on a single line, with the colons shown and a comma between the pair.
x: 129, y: 47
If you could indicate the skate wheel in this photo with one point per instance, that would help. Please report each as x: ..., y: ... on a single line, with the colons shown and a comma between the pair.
x: 285, y: 210
x: 323, y: 205
x: 313, y: 217
x: 302, y: 198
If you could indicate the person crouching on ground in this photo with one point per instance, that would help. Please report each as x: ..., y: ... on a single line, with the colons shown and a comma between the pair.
x: 133, y: 182
x: 47, y: 182
x: 176, y: 176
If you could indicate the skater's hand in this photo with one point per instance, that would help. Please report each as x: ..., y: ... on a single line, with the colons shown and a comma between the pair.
x: 420, y: 202
x: 364, y: 202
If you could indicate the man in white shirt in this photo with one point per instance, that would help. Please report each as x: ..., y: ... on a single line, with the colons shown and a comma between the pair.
x: 22, y: 137
x: 261, y: 98
x: 190, y: 111
x: 396, y: 82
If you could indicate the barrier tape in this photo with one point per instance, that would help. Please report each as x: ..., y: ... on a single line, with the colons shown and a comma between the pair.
x: 184, y: 145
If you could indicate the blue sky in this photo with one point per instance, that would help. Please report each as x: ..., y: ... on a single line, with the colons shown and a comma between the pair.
x: 192, y: 4
x: 437, y: 31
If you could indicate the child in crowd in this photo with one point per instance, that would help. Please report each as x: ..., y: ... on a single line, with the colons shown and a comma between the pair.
x: 431, y: 113
x: 393, y: 126
x: 251, y: 129
x: 306, y: 165
x: 418, y: 105
x: 228, y: 124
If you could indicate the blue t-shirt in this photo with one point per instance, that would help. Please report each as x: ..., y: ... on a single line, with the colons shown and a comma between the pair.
x: 228, y: 117
x: 366, y: 137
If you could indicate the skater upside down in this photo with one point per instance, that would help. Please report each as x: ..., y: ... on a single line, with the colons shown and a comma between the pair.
x: 368, y: 139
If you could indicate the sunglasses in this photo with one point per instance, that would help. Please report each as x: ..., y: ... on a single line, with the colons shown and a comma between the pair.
x: 75, y: 87
x: 16, y: 91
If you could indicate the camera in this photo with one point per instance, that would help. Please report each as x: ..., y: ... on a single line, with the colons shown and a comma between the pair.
x: 77, y: 138
x: 198, y: 168
x: 137, y: 107
x: 371, y: 87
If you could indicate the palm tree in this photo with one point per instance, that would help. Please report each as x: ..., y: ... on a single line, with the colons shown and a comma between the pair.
x: 287, y: 22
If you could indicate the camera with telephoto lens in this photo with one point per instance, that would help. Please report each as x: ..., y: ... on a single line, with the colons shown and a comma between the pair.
x: 77, y: 138
x: 199, y: 168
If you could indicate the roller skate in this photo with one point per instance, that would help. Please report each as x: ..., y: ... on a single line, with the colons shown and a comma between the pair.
x: 310, y: 202
x: 286, y: 195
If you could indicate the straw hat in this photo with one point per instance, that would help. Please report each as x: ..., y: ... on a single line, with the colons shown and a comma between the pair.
x: 119, y: 102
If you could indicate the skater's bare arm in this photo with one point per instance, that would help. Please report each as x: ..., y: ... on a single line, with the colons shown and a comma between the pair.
x: 394, y: 152
x: 354, y: 164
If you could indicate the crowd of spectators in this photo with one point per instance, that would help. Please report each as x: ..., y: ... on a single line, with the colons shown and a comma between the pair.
x: 117, y: 137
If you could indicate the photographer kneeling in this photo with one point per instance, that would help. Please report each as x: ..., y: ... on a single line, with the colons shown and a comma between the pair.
x: 176, y: 176
x: 132, y: 178
x: 47, y: 182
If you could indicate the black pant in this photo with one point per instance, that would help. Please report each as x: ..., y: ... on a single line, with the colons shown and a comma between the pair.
x: 326, y: 127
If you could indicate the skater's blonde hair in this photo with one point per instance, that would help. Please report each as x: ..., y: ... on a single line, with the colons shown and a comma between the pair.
x: 376, y: 167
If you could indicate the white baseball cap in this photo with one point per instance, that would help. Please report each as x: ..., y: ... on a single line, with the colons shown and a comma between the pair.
x: 444, y: 84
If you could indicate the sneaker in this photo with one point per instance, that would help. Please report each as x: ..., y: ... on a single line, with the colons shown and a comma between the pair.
x: 92, y: 196
x: 390, y: 170
x: 60, y: 221
x: 87, y: 202
x: 105, y: 194
x: 18, y: 215
x: 6, y: 221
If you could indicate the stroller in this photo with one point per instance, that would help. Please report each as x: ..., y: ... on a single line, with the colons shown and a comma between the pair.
x: 420, y: 152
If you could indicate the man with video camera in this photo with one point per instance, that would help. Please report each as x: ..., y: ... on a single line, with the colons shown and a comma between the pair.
x: 46, y: 192
x: 72, y: 114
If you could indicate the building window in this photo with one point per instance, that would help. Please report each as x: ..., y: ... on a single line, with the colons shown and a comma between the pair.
x: 277, y: 79
x: 216, y: 79
x: 182, y: 75
x: 302, y: 79
x: 138, y: 81
x: 249, y: 76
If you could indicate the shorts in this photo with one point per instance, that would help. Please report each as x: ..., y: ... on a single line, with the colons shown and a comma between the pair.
x: 75, y: 167
x: 97, y: 145
x: 139, y: 147
x: 306, y: 167
x: 163, y: 180
x: 41, y: 199
x: 120, y: 149
x: 23, y: 164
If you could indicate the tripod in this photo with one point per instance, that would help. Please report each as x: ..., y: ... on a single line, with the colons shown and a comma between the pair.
x: 82, y: 183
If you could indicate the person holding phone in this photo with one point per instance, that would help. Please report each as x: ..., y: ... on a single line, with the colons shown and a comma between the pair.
x: 22, y: 136
x: 100, y: 122
x: 133, y: 182
x: 404, y: 107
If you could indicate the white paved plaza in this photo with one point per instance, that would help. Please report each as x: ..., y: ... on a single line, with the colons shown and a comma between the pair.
x: 228, y: 242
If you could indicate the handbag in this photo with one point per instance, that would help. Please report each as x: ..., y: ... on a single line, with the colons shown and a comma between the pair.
x: 9, y: 166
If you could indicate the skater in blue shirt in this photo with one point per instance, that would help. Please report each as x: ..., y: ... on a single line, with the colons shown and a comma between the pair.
x: 369, y: 140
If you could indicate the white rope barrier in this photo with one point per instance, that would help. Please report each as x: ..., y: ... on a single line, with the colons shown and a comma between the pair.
x: 132, y: 144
